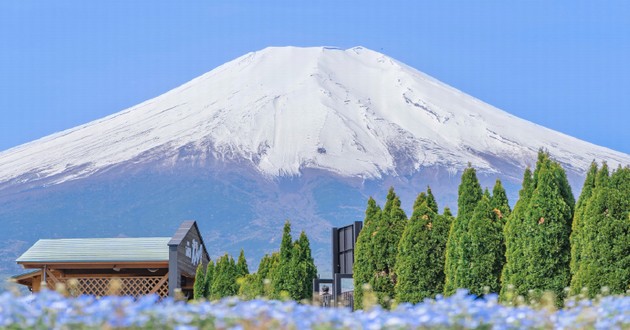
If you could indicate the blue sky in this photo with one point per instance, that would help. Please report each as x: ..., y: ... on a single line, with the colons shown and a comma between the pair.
x: 562, y: 64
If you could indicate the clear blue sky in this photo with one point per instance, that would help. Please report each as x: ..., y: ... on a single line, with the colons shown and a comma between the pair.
x: 561, y: 64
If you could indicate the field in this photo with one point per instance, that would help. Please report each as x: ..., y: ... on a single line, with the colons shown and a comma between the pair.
x: 50, y: 310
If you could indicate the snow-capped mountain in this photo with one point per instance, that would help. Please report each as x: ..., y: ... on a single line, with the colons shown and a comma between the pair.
x: 305, y: 134
x: 353, y: 112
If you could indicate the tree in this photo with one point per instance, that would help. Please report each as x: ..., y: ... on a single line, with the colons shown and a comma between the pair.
x: 208, y: 279
x: 224, y: 279
x: 431, y: 201
x: 199, y: 286
x: 514, y: 235
x: 266, y: 269
x: 241, y: 265
x: 364, y: 267
x: 469, y: 194
x: 499, y: 202
x: 420, y: 259
x: 303, y: 270
x: 485, y: 250
x: 576, y: 238
x: 546, y: 228
x: 281, y: 277
x: 605, y: 258
x: 389, y: 229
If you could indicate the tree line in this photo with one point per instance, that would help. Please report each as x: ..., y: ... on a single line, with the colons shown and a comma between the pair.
x: 285, y: 274
x: 546, y: 244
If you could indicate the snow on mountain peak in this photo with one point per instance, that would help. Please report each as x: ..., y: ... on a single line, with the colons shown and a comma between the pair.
x: 354, y: 112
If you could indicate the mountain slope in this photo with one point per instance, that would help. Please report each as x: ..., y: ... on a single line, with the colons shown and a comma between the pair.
x: 354, y: 112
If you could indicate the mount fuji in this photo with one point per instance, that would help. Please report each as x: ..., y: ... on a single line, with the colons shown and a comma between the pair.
x: 305, y: 134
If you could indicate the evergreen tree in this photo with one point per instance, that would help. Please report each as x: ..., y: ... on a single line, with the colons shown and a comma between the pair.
x: 577, y: 226
x: 303, y: 270
x: 485, y: 250
x: 199, y: 286
x: 469, y: 194
x: 605, y: 259
x: 241, y: 265
x: 208, y: 279
x: 515, y: 239
x: 546, y: 230
x: 281, y: 277
x: 249, y: 287
x: 420, y: 259
x: 420, y: 199
x: 431, y: 201
x: 389, y: 229
x: 448, y: 214
x: 224, y: 279
x: 266, y: 269
x: 499, y: 202
x: 364, y: 267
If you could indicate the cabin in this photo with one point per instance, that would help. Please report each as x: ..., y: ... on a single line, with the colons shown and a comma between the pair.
x: 141, y: 265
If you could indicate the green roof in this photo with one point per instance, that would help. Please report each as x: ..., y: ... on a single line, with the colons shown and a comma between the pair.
x: 97, y: 250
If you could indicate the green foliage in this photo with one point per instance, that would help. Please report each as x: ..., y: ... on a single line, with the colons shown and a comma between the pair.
x: 199, y: 287
x: 364, y: 267
x: 281, y: 277
x: 577, y: 228
x: 208, y: 279
x: 249, y: 287
x: 266, y: 269
x: 241, y: 265
x: 485, y: 251
x: 224, y: 279
x: 431, y: 201
x: 605, y: 236
x: 420, y: 259
x: 303, y: 270
x: 389, y: 229
x: 469, y: 195
x: 544, y: 235
x: 499, y: 202
x: 515, y: 239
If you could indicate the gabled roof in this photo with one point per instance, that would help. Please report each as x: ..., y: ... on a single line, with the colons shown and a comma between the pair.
x: 140, y: 249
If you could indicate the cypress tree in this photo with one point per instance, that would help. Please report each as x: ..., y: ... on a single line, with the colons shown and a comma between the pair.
x: 499, y: 202
x: 199, y: 286
x: 431, y: 201
x: 577, y: 226
x: 364, y: 267
x: 469, y: 194
x: 224, y: 279
x: 515, y: 239
x: 605, y: 259
x: 303, y: 270
x: 281, y: 277
x: 208, y: 279
x: 485, y: 250
x: 420, y: 259
x: 241, y: 265
x: 266, y: 269
x: 546, y: 230
x: 249, y: 287
x: 389, y: 229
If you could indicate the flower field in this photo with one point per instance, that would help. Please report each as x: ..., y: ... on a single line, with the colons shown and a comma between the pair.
x: 50, y: 310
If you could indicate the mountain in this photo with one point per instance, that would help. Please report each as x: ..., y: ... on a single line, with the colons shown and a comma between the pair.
x: 299, y: 133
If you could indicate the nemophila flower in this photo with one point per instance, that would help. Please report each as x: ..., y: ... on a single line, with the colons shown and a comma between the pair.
x: 49, y: 310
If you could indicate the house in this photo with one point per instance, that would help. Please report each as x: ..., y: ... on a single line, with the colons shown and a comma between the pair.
x: 141, y: 265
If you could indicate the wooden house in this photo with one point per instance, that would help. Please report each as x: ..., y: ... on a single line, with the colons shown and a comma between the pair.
x: 140, y: 265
